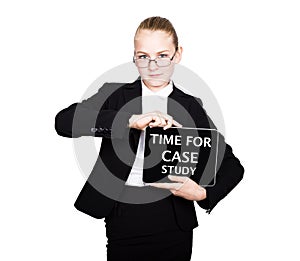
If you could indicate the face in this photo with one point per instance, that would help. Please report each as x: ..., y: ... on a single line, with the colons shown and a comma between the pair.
x: 153, y: 44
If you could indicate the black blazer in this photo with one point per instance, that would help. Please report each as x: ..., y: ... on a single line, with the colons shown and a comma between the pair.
x: 106, y: 114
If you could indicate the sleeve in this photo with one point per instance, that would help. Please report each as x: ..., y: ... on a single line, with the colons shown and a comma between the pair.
x: 93, y: 117
x: 228, y: 176
x: 230, y: 171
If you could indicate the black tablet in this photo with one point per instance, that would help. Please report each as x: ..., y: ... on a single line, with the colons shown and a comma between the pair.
x: 185, y: 152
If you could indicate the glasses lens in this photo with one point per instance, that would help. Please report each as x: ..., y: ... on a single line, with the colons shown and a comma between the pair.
x: 163, y: 62
x: 141, y: 62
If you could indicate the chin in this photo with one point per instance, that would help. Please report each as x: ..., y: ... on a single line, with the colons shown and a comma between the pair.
x: 156, y: 82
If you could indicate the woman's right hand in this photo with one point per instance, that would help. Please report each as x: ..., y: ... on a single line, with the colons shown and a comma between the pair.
x: 152, y: 119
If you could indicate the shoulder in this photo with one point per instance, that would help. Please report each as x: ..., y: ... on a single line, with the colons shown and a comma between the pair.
x: 192, y: 100
x: 112, y: 90
x: 120, y: 87
x: 112, y: 87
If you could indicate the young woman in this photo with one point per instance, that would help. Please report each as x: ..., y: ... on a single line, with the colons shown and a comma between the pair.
x: 162, y: 229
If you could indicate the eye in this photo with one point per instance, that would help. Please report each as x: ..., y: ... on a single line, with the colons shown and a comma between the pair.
x: 142, y: 56
x: 163, y: 55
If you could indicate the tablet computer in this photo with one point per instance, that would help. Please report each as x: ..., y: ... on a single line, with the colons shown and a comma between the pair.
x: 185, y: 152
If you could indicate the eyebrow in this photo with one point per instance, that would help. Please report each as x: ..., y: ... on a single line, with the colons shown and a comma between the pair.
x: 156, y: 53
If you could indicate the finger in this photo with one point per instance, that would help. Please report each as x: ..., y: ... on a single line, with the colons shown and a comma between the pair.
x: 162, y: 117
x: 177, y: 178
x: 140, y: 121
x: 182, y: 184
x: 157, y: 121
x: 161, y: 185
x: 177, y: 124
x: 163, y: 121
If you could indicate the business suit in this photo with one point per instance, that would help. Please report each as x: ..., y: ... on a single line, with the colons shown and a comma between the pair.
x: 103, y: 117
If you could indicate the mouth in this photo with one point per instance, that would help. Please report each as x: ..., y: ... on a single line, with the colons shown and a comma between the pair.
x: 155, y: 75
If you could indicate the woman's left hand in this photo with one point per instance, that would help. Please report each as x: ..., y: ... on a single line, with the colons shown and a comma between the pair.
x: 184, y: 187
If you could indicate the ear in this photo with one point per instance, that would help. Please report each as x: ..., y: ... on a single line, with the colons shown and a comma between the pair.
x: 178, y: 54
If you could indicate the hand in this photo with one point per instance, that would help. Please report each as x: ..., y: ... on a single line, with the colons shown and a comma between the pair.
x: 152, y: 119
x: 184, y: 187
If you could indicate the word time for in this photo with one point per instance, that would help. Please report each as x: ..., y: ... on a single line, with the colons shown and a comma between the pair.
x: 177, y: 140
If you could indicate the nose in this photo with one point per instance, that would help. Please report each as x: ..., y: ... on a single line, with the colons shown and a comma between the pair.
x: 152, y: 65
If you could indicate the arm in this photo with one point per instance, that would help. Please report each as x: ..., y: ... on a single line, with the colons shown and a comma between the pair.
x: 93, y: 117
x: 228, y: 176
x: 230, y: 171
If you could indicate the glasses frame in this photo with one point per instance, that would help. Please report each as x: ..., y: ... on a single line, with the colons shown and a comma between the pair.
x: 155, y: 60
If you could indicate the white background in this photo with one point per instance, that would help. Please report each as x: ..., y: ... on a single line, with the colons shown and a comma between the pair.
x: 246, y: 51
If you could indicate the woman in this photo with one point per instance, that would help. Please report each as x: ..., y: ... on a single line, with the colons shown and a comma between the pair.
x: 162, y: 229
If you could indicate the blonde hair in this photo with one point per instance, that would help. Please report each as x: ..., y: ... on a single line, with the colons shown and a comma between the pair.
x: 157, y: 23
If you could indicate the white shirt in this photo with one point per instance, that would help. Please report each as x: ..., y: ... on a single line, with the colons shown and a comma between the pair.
x: 151, y: 101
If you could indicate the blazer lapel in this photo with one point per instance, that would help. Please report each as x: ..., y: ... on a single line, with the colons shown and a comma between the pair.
x: 177, y: 95
x: 178, y: 105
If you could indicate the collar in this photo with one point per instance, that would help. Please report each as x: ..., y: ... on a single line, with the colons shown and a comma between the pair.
x: 134, y: 90
x: 165, y: 92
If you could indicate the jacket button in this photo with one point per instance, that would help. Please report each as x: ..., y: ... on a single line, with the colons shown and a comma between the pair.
x: 94, y: 130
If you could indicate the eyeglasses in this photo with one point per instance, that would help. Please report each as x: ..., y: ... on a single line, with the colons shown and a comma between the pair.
x: 143, y: 61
